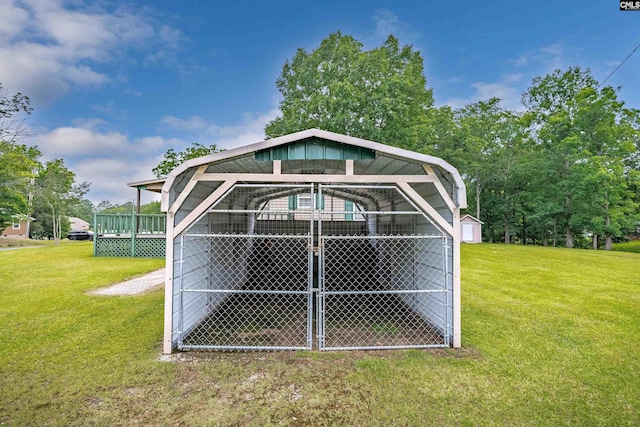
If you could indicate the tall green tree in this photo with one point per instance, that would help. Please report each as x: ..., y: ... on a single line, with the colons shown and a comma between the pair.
x: 17, y: 161
x: 18, y: 164
x: 608, y: 134
x: 13, y: 112
x: 584, y: 138
x: 380, y: 94
x: 173, y: 159
x: 479, y: 130
x: 443, y: 136
x: 506, y: 185
x: 552, y: 108
x: 57, y: 192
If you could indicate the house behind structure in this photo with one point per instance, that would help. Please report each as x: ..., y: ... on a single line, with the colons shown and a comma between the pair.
x: 313, y: 240
x: 19, y: 228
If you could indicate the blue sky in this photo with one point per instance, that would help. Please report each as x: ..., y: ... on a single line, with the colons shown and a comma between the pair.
x: 115, y: 84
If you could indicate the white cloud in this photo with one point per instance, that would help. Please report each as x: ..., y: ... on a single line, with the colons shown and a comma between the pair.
x: 546, y: 58
x: 90, y: 124
x: 388, y: 23
x: 171, y: 36
x: 132, y: 92
x: 75, y: 142
x: 250, y: 129
x: 84, y: 140
x: 513, y: 78
x: 109, y: 159
x: 46, y: 47
x: 109, y: 177
x: 84, y: 75
x: 505, y: 89
x: 521, y: 61
x: 552, y: 57
x: 12, y: 20
x: 109, y: 108
x: 191, y: 124
x: 510, y: 86
x: 155, y: 144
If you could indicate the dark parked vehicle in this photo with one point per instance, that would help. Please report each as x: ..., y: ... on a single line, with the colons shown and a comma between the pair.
x: 80, y: 235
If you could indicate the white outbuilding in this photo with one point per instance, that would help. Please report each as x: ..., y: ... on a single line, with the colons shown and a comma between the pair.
x: 470, y: 229
x: 313, y: 240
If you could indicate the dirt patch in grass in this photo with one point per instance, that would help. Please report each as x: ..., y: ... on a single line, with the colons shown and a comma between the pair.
x: 297, y: 357
x: 285, y: 388
x: 253, y: 388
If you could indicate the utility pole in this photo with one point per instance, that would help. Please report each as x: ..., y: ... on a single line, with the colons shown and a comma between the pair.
x: 29, y: 205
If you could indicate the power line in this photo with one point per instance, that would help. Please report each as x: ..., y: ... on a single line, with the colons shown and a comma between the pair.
x: 620, y: 65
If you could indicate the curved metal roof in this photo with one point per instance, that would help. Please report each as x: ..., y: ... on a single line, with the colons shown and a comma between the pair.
x: 409, y: 157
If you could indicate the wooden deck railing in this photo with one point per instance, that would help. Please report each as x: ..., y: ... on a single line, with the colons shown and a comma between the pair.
x: 129, y: 235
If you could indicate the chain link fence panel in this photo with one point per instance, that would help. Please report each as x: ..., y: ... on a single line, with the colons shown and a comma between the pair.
x: 374, y: 276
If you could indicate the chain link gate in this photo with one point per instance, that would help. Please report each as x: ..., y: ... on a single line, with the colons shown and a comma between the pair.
x: 383, y: 282
x: 247, y: 277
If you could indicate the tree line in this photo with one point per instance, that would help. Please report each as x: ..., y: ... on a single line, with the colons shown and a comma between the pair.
x: 564, y: 171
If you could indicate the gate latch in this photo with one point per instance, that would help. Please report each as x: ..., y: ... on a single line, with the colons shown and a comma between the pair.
x: 315, y: 249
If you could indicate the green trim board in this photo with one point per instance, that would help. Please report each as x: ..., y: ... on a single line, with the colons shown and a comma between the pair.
x: 348, y: 207
x: 315, y: 149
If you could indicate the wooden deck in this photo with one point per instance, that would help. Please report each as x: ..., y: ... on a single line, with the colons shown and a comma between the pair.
x: 114, y: 236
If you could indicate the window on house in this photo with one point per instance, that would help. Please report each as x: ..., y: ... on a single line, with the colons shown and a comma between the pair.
x: 16, y: 225
x: 305, y: 201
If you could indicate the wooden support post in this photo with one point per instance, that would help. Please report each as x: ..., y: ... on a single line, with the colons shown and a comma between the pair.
x: 95, y: 234
x: 134, y: 220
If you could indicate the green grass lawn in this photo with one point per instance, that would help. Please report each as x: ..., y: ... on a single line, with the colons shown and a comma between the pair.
x: 632, y: 246
x: 550, y: 337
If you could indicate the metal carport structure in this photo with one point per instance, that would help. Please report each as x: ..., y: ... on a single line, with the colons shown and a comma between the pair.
x: 313, y: 240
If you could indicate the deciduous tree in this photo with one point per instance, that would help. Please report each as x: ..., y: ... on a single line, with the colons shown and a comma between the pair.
x: 18, y: 164
x: 57, y: 191
x: 172, y: 159
x: 380, y: 94
x: 17, y: 161
x: 13, y: 112
x: 585, y: 142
